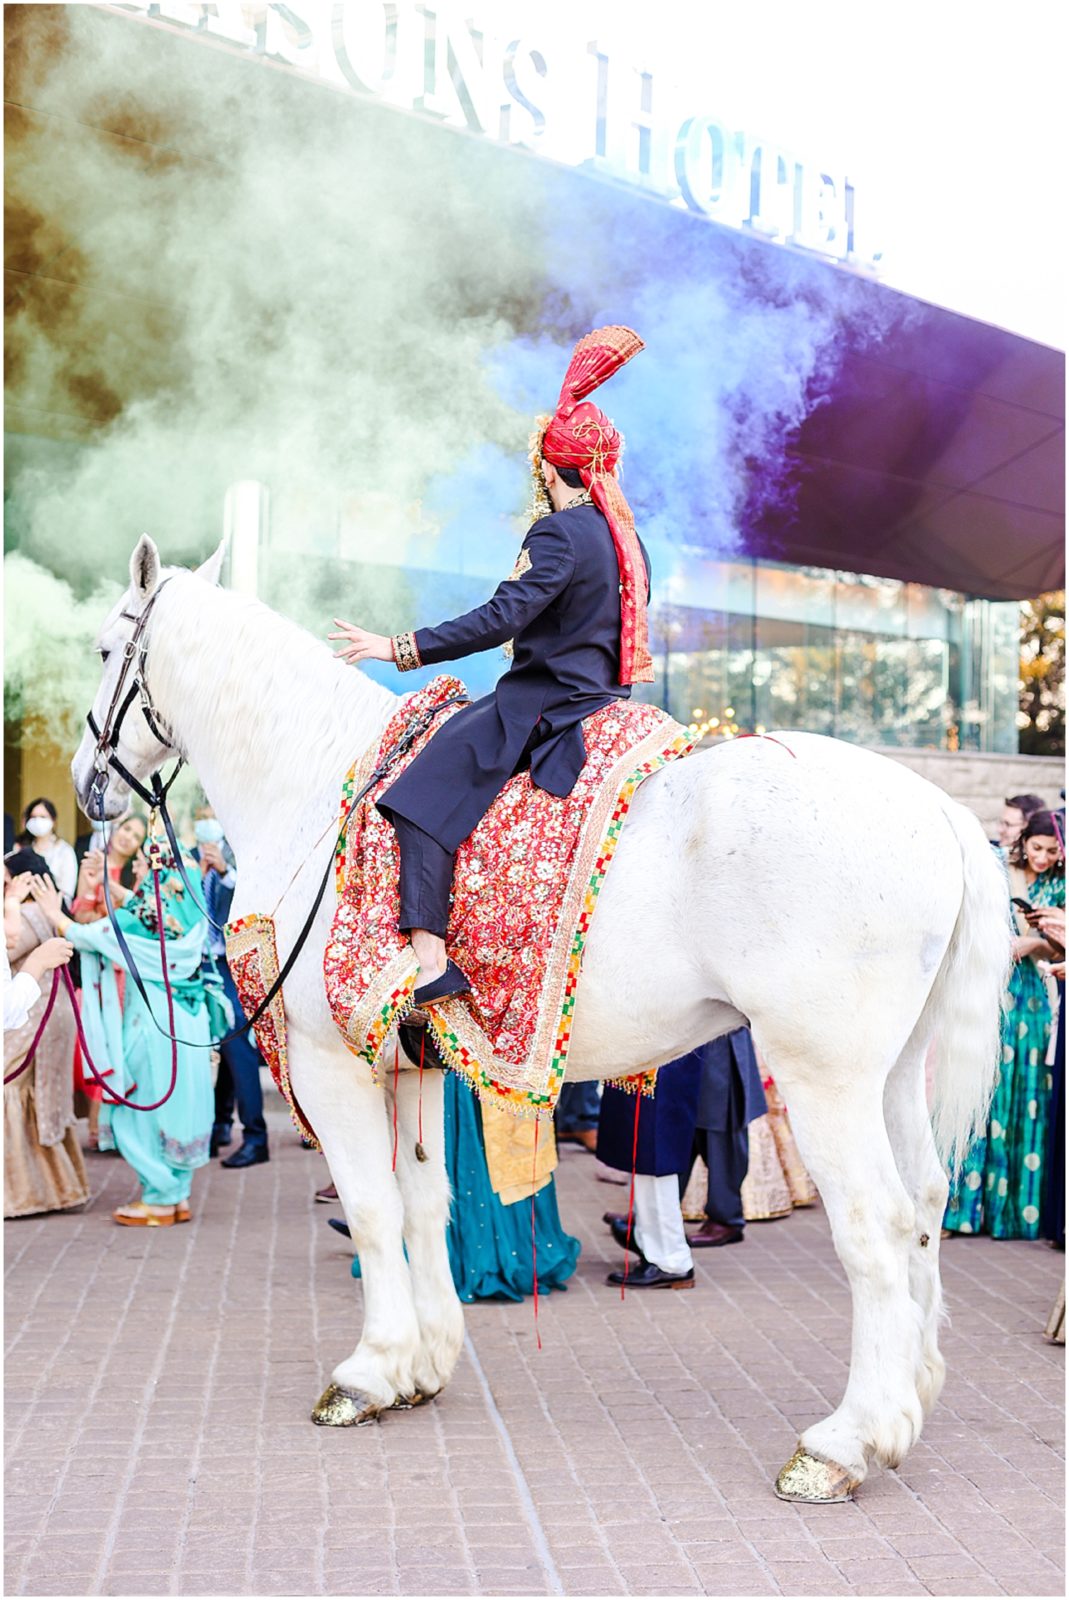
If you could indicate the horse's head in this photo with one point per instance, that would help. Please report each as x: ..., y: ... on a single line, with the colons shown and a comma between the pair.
x: 125, y: 729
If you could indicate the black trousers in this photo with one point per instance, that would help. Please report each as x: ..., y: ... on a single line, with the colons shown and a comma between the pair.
x: 727, y: 1156
x: 426, y: 878
x: 427, y: 866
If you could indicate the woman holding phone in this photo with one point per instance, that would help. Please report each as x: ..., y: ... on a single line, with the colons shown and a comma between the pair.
x: 999, y: 1190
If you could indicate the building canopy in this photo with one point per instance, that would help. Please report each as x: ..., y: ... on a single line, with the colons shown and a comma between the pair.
x: 937, y: 458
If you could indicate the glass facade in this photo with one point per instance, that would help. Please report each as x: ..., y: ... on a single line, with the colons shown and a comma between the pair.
x: 876, y: 661
x: 757, y: 644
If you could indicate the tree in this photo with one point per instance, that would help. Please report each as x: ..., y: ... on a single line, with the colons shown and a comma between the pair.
x: 1041, y: 715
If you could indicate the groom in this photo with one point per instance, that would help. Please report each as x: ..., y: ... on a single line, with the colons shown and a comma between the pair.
x: 574, y: 606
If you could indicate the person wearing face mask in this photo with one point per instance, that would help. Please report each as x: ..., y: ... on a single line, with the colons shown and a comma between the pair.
x: 41, y: 835
x: 238, y: 1078
x: 1000, y: 1188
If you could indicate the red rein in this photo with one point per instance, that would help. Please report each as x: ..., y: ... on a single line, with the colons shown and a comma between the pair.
x: 114, y: 1098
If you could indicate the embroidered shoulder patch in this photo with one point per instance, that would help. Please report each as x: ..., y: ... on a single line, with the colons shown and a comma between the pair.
x: 523, y: 564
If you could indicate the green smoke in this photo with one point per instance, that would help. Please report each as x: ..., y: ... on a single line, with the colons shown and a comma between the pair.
x: 222, y: 272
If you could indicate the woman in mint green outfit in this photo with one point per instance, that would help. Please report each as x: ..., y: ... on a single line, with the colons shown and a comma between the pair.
x: 166, y: 1145
x: 1000, y: 1188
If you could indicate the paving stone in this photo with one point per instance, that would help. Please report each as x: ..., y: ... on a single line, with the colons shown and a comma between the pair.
x: 178, y: 1454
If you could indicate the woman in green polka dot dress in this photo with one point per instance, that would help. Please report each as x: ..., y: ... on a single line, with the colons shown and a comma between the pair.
x: 1001, y: 1184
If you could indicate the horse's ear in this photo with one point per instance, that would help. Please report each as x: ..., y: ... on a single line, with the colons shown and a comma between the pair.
x: 144, y: 568
x: 211, y: 569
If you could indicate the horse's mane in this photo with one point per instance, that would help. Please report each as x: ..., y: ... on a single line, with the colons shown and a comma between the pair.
x: 231, y: 661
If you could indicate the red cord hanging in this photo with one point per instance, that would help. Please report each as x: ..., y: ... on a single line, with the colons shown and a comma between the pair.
x: 534, y: 1239
x: 396, y: 1075
x: 631, y: 1196
x: 419, y: 1111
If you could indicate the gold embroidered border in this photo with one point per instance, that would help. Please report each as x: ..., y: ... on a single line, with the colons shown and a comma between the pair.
x: 405, y: 652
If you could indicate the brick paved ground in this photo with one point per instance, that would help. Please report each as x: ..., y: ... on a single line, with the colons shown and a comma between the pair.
x: 158, y: 1389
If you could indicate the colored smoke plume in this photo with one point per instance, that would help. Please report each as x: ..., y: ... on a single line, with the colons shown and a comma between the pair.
x: 223, y: 273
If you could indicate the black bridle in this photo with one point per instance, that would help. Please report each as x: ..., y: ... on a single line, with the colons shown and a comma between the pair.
x: 107, y: 737
x: 105, y: 756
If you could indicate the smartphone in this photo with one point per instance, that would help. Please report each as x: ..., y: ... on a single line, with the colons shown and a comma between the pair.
x: 1022, y: 905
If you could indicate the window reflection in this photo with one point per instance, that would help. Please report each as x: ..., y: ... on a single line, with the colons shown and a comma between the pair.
x: 872, y: 660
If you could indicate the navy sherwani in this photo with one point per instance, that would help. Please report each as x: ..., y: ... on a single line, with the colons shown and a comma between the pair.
x: 561, y: 608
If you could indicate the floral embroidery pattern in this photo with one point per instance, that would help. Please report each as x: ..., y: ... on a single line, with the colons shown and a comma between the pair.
x: 252, y: 954
x: 525, y: 888
x: 179, y: 1153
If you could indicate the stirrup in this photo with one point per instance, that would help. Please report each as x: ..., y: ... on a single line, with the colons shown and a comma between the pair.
x: 418, y: 1044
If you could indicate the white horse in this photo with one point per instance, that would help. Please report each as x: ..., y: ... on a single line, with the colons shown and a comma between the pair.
x: 845, y: 909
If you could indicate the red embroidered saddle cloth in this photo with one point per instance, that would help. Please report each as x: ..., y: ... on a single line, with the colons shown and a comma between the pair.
x: 525, y: 886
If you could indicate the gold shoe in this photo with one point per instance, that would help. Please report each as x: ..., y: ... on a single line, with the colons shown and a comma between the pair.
x: 182, y: 1212
x: 140, y: 1215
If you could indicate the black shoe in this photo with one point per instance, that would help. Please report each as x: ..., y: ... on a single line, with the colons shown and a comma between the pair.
x: 647, y: 1276
x: 618, y: 1229
x: 340, y: 1226
x: 609, y: 1217
x: 219, y: 1138
x: 449, y: 983
x: 246, y: 1155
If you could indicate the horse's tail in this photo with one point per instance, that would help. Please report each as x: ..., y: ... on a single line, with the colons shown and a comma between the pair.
x: 964, y: 1009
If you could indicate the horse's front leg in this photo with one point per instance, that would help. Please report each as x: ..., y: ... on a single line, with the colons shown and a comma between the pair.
x: 348, y: 1113
x: 424, y: 1186
x: 843, y: 1142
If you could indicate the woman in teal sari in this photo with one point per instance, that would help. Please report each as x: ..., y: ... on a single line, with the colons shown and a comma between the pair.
x: 166, y: 1145
x: 1000, y: 1187
x: 491, y: 1251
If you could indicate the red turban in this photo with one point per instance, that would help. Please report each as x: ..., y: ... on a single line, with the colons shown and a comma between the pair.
x: 581, y: 436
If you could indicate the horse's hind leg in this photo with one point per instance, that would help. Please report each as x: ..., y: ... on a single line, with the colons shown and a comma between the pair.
x: 909, y: 1129
x: 425, y: 1195
x: 843, y: 1140
x: 348, y: 1112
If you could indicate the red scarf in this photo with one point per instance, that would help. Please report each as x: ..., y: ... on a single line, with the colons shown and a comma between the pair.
x: 581, y: 436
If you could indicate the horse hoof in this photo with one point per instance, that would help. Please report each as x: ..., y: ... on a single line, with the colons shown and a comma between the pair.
x: 819, y: 1483
x: 341, y: 1408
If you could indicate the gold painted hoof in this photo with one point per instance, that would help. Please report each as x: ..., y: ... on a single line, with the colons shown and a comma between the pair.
x: 815, y: 1482
x: 338, y: 1408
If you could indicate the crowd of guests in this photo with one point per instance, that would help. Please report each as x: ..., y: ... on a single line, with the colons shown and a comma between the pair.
x: 114, y: 1055
x: 711, y: 1147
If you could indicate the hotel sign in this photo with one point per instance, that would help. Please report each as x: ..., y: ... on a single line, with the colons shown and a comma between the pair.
x: 587, y: 108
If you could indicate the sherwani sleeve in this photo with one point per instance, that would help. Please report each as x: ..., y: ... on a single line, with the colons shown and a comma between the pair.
x: 546, y: 564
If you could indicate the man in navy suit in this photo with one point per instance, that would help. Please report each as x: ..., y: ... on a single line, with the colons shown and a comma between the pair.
x: 574, y: 607
x: 239, y: 1059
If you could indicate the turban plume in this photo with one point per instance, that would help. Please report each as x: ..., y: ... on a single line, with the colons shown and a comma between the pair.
x: 581, y: 436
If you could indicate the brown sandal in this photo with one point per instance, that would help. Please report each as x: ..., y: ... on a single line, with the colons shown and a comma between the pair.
x: 140, y: 1215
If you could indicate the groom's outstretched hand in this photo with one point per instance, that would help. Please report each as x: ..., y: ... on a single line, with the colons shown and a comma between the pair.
x: 360, y: 645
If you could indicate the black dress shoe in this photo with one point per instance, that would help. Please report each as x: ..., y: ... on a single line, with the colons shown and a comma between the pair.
x: 448, y: 983
x: 219, y: 1138
x: 246, y: 1155
x: 648, y: 1276
x: 340, y: 1226
x: 618, y: 1229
